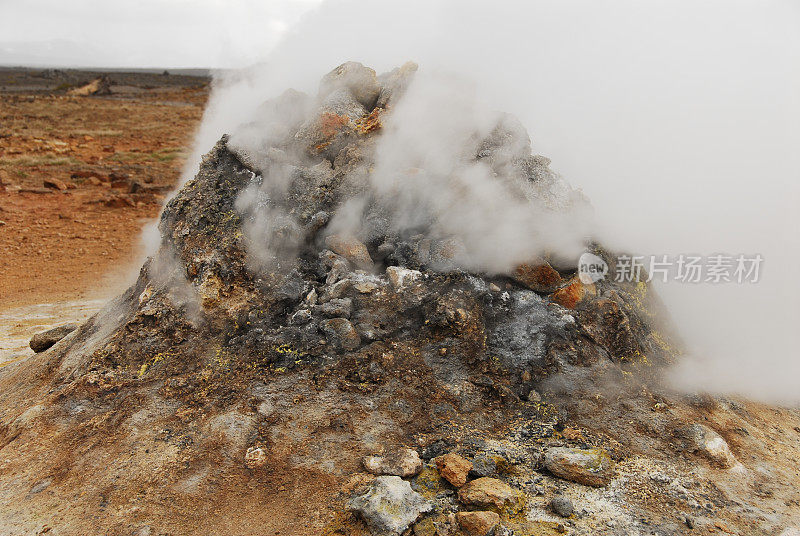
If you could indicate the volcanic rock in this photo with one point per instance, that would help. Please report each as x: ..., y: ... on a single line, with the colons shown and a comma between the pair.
x: 389, y: 506
x: 477, y: 523
x: 342, y: 332
x: 487, y: 492
x: 562, y: 505
x: 592, y: 467
x: 403, y: 463
x: 538, y: 276
x: 453, y: 468
x: 711, y: 445
x: 351, y: 249
x: 44, y: 340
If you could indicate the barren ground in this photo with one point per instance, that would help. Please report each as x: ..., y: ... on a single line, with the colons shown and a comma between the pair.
x: 69, y: 245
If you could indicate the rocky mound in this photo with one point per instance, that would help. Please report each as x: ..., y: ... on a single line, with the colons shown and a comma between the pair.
x: 320, y: 345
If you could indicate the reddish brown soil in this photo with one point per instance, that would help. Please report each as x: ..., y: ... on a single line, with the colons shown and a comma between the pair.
x: 62, y: 245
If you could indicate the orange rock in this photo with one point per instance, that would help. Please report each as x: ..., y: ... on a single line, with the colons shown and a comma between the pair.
x: 453, y: 468
x: 477, y: 523
x: 487, y: 492
x: 573, y: 293
x: 538, y: 276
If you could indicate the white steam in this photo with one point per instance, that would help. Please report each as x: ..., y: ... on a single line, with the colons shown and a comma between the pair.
x: 679, y: 120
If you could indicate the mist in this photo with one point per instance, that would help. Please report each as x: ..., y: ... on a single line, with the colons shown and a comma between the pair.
x: 678, y: 120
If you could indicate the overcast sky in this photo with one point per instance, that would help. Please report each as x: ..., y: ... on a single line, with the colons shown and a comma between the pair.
x: 143, y: 33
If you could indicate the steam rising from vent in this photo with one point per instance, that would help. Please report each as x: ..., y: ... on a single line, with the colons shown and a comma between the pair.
x: 417, y: 153
x: 683, y: 146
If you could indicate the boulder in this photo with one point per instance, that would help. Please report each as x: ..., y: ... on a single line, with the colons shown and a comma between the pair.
x: 453, y: 468
x: 591, y: 467
x: 389, y: 505
x: 44, y: 340
x: 487, y: 492
x: 403, y: 462
x: 711, y: 445
x: 477, y: 523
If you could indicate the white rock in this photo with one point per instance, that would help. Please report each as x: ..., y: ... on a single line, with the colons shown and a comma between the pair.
x: 400, y: 277
x: 389, y: 506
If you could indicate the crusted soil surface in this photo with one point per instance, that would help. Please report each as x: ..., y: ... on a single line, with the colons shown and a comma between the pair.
x: 260, y: 355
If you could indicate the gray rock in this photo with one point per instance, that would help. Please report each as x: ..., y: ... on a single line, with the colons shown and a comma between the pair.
x: 483, y: 466
x: 337, y: 307
x: 394, y: 83
x: 301, y: 317
x: 359, y: 80
x: 562, y: 505
x: 389, y: 506
x: 337, y: 290
x: 44, y: 340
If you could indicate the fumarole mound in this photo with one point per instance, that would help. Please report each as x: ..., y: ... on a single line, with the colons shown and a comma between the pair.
x: 341, y: 334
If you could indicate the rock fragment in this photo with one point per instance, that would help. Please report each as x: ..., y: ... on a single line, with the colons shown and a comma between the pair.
x: 591, y: 467
x: 389, y: 506
x: 538, y: 276
x: 44, y: 340
x: 403, y: 463
x: 255, y: 457
x: 55, y: 184
x: 483, y: 466
x: 477, y: 523
x: 400, y: 277
x: 342, y: 332
x: 453, y: 468
x: 710, y: 444
x: 351, y: 249
x: 361, y: 81
x: 487, y: 493
x: 573, y: 293
x: 562, y: 505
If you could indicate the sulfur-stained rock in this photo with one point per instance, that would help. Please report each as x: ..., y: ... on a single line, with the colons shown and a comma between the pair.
x: 487, y: 492
x: 351, y: 249
x: 453, y: 468
x: 573, y: 293
x: 478, y: 523
x: 592, y: 467
x: 404, y: 462
x: 711, y: 445
x: 389, y: 505
x: 538, y: 276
